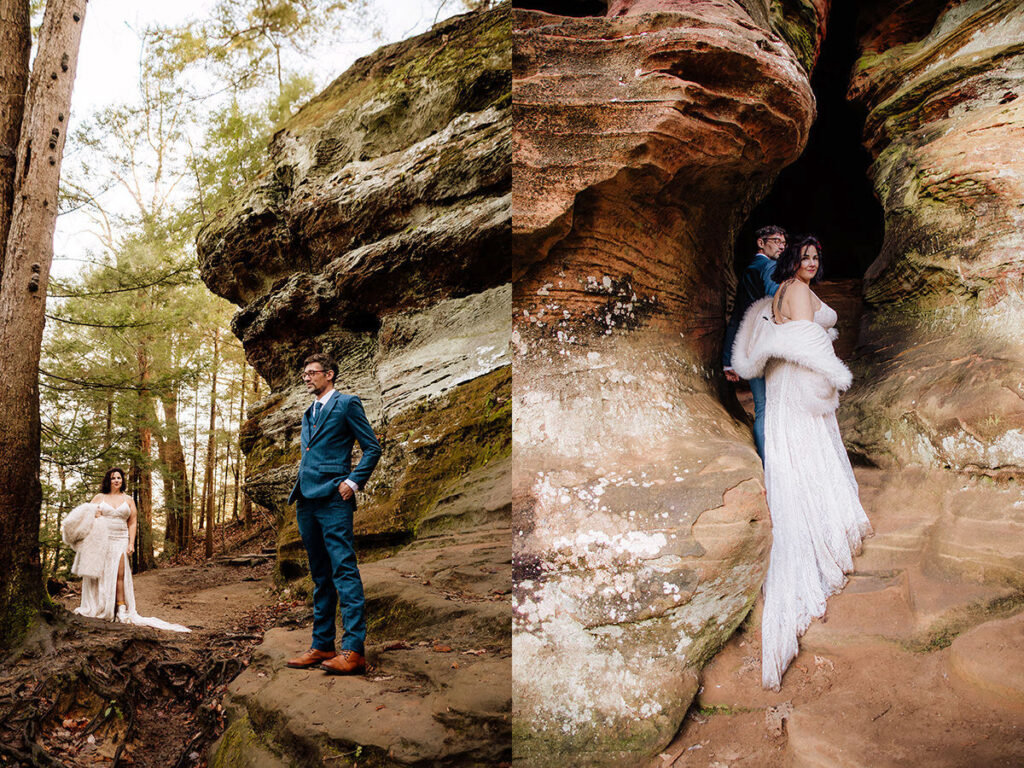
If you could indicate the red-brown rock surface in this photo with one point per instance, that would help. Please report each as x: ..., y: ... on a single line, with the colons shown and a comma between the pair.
x: 942, y: 363
x: 642, y: 141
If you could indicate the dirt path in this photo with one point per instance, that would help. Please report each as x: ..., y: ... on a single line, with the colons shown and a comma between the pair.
x: 919, y: 662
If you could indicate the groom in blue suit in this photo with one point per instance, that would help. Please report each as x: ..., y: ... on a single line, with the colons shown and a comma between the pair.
x: 755, y: 283
x: 325, y: 499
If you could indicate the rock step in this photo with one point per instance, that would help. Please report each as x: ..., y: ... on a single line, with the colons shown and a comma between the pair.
x: 439, y: 689
x: 987, y: 659
x: 250, y: 559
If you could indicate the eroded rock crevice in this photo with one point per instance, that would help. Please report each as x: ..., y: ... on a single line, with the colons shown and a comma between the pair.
x: 827, y: 190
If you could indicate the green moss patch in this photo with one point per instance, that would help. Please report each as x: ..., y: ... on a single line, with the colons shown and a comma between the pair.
x: 432, y: 445
x: 943, y: 633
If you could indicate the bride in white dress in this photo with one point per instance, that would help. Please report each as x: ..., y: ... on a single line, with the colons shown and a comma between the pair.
x: 110, y: 594
x: 817, y: 519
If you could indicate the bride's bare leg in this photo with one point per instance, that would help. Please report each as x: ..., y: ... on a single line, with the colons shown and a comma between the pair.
x: 119, y: 593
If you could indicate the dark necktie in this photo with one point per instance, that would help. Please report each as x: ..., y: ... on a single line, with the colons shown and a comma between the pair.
x: 316, y: 411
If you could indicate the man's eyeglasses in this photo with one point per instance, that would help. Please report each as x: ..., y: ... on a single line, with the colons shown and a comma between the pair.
x: 310, y: 374
x: 779, y: 240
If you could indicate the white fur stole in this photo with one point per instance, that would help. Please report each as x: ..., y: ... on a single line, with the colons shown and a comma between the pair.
x: 803, y: 342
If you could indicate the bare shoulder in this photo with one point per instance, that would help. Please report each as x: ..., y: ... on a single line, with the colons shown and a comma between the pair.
x: 799, y: 288
x: 798, y: 302
x: 97, y: 498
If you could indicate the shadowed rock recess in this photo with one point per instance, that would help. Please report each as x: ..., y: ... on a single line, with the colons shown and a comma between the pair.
x: 643, y: 139
x: 376, y: 232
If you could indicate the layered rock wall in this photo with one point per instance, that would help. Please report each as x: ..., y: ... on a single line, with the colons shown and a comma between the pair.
x: 376, y: 233
x: 940, y: 381
x: 642, y: 141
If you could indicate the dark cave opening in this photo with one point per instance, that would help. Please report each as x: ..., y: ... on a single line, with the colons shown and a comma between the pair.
x: 565, y: 7
x: 826, y: 192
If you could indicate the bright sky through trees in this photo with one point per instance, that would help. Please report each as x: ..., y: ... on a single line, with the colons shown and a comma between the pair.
x: 108, y: 70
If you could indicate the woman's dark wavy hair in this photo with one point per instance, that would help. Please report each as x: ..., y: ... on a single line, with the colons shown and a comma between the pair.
x: 105, y: 488
x: 789, y: 261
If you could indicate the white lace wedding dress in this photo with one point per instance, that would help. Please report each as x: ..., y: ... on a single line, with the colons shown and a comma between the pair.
x: 99, y: 594
x: 817, y: 519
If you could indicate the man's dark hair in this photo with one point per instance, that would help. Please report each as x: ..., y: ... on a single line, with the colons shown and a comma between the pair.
x: 324, y: 361
x: 765, y: 232
x: 789, y: 262
x: 105, y: 486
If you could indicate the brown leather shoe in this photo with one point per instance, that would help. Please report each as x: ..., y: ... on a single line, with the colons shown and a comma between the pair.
x: 310, y: 658
x: 345, y: 663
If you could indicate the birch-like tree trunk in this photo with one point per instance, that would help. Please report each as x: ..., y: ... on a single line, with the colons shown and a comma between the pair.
x: 25, y: 256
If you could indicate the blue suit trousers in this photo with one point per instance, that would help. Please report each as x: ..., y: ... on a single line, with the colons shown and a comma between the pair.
x: 326, y: 529
x: 758, y: 390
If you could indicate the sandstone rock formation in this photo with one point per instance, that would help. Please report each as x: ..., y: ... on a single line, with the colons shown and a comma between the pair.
x: 942, y: 372
x: 642, y: 141
x: 376, y: 233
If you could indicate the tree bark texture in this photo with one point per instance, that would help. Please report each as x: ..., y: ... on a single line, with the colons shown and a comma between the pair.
x: 179, y: 499
x: 15, y: 45
x: 145, y: 420
x: 27, y: 255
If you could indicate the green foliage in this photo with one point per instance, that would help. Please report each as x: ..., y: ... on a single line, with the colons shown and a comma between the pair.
x: 244, y: 43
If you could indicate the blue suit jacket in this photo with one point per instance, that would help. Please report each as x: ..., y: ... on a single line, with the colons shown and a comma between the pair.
x: 327, y: 448
x: 755, y: 283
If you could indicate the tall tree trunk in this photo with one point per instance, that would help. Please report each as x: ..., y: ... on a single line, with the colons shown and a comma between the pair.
x: 247, y: 501
x: 192, y: 483
x: 25, y: 256
x: 179, y: 502
x: 238, y: 454
x: 15, y: 44
x: 210, y: 447
x: 62, y: 506
x: 146, y: 416
x: 168, y: 483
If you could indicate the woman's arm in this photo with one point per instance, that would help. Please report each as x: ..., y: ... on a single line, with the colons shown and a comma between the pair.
x: 133, y: 520
x: 96, y: 500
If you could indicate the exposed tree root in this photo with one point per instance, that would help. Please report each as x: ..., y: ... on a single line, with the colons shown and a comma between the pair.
x: 84, y: 692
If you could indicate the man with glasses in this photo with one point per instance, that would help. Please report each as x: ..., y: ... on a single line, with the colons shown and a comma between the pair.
x: 324, y: 497
x: 755, y: 283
